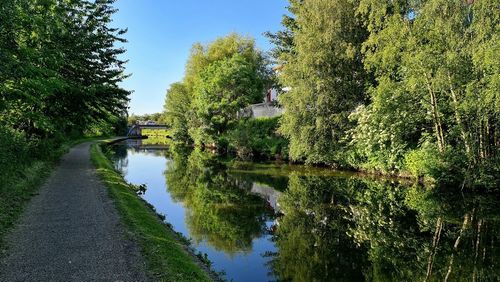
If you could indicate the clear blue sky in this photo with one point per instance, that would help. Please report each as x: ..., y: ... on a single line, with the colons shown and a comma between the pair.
x: 161, y: 33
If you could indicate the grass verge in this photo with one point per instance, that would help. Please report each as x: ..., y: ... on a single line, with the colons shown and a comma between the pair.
x: 167, y: 257
x: 23, y: 184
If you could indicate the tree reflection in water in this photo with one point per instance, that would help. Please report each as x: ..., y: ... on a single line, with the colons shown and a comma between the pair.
x: 220, y: 207
x: 351, y: 229
x: 337, y: 228
x: 312, y: 239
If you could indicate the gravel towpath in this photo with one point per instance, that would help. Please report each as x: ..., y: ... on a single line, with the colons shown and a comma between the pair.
x: 71, y: 231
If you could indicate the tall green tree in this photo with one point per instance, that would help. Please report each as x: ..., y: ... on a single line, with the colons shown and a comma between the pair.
x: 60, y: 70
x: 425, y: 104
x: 224, y: 88
x: 283, y: 39
x: 326, y: 77
x: 221, y: 78
x: 62, y: 66
x: 390, y: 123
x: 177, y: 108
x: 220, y: 49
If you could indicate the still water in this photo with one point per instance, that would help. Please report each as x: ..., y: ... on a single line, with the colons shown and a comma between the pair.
x: 285, y: 223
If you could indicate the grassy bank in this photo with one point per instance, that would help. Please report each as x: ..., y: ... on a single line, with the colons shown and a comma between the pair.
x: 24, y: 171
x: 167, y: 256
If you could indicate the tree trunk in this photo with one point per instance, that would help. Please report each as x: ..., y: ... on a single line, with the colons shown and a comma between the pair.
x: 435, y: 115
x: 455, y: 246
x: 458, y: 119
x: 435, y: 242
x: 476, y: 249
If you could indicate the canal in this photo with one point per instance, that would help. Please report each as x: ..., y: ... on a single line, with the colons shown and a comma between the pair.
x: 267, y: 222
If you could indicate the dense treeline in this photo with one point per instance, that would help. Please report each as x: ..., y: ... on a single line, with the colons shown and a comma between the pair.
x: 59, y: 69
x: 59, y: 75
x: 156, y: 117
x: 393, y: 86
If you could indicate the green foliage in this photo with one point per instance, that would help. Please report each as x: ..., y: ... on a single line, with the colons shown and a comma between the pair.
x: 224, y: 88
x: 221, y: 78
x: 424, y: 161
x: 385, y: 129
x: 373, y: 81
x: 425, y: 68
x: 177, y: 108
x: 13, y: 150
x: 156, y: 117
x: 326, y: 82
x: 220, y: 49
x: 115, y: 126
x: 59, y: 76
x: 59, y: 80
x: 284, y: 39
x: 258, y: 139
x: 60, y: 68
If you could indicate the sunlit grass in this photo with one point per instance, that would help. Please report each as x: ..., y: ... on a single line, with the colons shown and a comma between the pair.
x: 155, y: 132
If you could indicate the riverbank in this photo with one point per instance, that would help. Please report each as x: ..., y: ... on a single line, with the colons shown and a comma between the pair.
x: 24, y: 180
x: 259, y: 140
x: 167, y: 254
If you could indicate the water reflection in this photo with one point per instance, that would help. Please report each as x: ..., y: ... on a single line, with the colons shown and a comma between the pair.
x: 147, y: 146
x: 362, y: 230
x: 312, y: 239
x: 221, y: 208
x: 260, y: 226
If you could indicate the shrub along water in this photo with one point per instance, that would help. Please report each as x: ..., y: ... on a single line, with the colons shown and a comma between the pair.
x: 258, y: 139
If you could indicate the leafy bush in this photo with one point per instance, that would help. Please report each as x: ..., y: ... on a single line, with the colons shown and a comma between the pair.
x: 13, y: 151
x: 258, y: 138
x: 425, y: 161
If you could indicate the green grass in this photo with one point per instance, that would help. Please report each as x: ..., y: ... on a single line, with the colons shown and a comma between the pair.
x: 20, y: 189
x: 166, y: 255
x: 23, y: 182
x: 155, y: 132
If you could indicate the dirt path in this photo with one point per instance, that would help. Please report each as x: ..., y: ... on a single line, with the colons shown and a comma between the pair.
x: 71, y: 231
